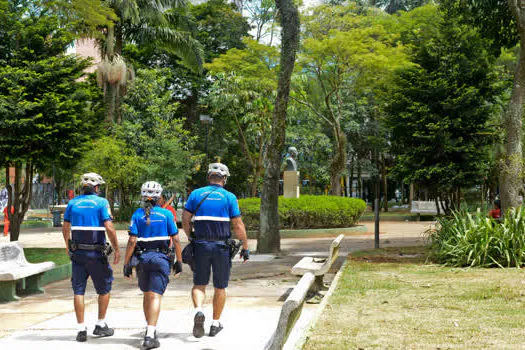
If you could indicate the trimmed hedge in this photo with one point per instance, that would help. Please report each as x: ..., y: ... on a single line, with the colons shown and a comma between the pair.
x: 307, y: 212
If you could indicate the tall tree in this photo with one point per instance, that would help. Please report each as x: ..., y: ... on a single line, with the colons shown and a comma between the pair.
x: 242, y: 92
x: 262, y: 13
x: 44, y: 115
x: 145, y: 23
x: 440, y: 110
x: 269, y: 239
x: 503, y: 22
x: 343, y: 55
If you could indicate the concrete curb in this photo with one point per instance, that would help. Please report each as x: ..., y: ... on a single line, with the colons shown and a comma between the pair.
x: 322, y: 306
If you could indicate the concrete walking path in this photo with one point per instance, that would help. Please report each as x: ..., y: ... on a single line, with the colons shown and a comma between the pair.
x: 255, y: 295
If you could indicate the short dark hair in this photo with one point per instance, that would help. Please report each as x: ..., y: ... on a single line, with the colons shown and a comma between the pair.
x: 216, y: 177
x: 87, y: 189
x: 497, y: 203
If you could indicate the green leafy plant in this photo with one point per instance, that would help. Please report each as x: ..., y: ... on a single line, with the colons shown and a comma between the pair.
x: 307, y: 212
x: 476, y: 240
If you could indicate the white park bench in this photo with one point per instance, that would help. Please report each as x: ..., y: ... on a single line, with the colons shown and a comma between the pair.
x: 423, y: 207
x: 290, y: 312
x: 318, y: 266
x: 14, y: 269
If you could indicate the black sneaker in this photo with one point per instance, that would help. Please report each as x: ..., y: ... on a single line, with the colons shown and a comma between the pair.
x: 151, y: 343
x: 82, y: 336
x: 103, y: 331
x: 198, y: 325
x: 215, y: 329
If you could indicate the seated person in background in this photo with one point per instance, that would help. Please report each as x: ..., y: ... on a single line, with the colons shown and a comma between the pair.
x: 496, y: 212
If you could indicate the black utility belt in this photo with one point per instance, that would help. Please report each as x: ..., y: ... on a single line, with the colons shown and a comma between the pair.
x: 105, y: 249
x: 92, y: 247
x: 152, y: 250
x: 223, y: 240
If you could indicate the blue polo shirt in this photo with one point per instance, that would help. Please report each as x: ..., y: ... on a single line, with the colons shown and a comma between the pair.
x: 157, y: 234
x: 212, y: 219
x: 87, y: 214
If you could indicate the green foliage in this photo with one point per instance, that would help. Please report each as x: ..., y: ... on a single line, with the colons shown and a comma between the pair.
x: 241, y: 101
x: 475, y: 240
x: 440, y: 111
x: 151, y: 129
x: 117, y: 163
x: 256, y: 62
x: 307, y: 212
x: 348, y: 57
x: 493, y: 18
x: 45, y: 115
x: 219, y: 27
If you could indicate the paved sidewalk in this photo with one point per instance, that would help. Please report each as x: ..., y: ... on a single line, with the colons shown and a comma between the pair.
x: 255, y: 295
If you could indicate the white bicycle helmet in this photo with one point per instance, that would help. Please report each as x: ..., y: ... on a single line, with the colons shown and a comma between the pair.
x: 219, y: 169
x: 151, y: 190
x: 91, y: 179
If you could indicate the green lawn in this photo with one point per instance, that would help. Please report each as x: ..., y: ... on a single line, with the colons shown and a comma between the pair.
x: 386, y: 300
x: 57, y: 255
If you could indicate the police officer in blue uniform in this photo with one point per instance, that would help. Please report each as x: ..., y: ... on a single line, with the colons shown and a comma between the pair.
x: 212, y: 209
x: 151, y: 230
x: 86, y: 221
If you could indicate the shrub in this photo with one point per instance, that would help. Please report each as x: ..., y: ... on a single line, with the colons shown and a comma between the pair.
x: 307, y: 212
x: 476, y: 240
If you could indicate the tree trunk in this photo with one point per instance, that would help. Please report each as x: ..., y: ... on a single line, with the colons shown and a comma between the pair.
x: 384, y: 182
x: 191, y: 110
x: 351, y: 176
x: 119, y: 40
x: 338, y: 163
x: 268, y: 239
x: 110, y: 101
x: 18, y: 197
x: 255, y: 182
x: 359, y: 191
x: 512, y: 178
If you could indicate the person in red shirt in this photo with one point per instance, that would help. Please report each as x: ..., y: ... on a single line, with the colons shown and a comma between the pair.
x: 6, y: 220
x: 167, y: 205
x: 496, y: 212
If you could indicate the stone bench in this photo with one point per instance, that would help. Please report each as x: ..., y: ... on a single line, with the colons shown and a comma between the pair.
x: 423, y: 207
x: 16, y: 274
x: 290, y: 312
x: 318, y: 266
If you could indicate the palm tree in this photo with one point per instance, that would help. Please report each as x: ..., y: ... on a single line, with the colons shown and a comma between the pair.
x: 144, y: 23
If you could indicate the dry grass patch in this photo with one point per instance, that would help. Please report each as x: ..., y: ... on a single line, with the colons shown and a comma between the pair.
x: 390, y: 299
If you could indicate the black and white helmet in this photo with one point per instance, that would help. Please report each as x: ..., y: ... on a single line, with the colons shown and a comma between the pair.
x: 151, y: 190
x: 218, y: 169
x: 91, y: 180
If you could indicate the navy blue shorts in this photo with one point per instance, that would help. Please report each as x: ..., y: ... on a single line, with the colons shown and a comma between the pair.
x: 208, y: 256
x: 153, y: 272
x: 84, y: 267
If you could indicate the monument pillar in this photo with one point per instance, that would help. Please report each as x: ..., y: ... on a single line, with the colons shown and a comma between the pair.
x: 291, y: 175
x: 291, y: 184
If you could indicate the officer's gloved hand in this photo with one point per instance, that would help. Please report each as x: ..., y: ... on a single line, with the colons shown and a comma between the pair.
x: 245, y: 254
x: 128, y: 270
x: 177, y: 267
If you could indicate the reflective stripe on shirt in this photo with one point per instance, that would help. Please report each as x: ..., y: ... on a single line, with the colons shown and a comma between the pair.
x: 87, y: 228
x: 210, y: 218
x: 151, y: 239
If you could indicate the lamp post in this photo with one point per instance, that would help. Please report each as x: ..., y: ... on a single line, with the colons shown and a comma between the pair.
x: 206, y: 120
